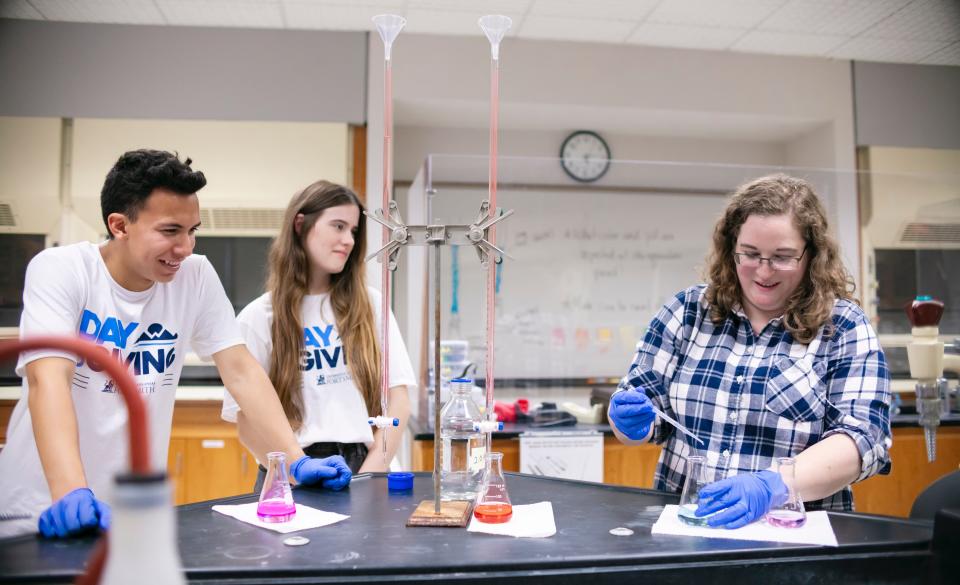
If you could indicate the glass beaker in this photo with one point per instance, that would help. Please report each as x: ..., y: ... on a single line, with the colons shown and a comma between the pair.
x: 791, y: 513
x: 276, y: 498
x: 493, y: 505
x: 696, y: 478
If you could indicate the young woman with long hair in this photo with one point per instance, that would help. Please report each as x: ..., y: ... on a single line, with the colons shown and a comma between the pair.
x: 771, y: 358
x: 315, y: 332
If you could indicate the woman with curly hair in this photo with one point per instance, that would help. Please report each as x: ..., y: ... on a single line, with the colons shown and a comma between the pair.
x: 771, y: 358
x: 315, y: 333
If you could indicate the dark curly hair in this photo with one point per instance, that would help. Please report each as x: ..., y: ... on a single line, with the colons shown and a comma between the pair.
x: 137, y: 173
x: 826, y: 279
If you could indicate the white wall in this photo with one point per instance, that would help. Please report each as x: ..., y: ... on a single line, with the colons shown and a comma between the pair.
x: 30, y: 172
x: 247, y: 164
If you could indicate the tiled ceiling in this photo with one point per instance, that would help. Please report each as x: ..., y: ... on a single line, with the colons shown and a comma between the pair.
x: 901, y: 31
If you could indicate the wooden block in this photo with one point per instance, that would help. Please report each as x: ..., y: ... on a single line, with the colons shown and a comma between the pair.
x: 454, y: 514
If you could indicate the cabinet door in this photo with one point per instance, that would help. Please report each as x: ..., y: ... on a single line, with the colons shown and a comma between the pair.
x: 894, y: 494
x: 176, y: 455
x: 213, y: 469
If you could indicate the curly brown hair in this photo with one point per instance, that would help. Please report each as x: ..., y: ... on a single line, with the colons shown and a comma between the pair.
x: 826, y: 279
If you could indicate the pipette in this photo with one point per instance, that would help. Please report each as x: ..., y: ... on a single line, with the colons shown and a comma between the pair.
x: 676, y: 425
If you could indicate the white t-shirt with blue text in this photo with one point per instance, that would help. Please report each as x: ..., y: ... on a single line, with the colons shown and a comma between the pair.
x: 334, y: 410
x: 69, y: 291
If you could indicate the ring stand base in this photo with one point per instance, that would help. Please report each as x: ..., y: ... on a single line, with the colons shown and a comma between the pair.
x: 453, y: 514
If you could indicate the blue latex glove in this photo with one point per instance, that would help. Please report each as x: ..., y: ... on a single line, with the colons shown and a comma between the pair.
x: 741, y: 499
x: 74, y: 513
x: 331, y: 472
x: 632, y: 413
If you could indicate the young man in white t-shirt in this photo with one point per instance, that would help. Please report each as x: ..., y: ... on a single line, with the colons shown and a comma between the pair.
x: 144, y: 297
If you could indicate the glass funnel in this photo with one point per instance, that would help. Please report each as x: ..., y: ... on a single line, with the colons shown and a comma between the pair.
x: 493, y: 505
x: 791, y: 513
x: 276, y: 498
x: 696, y: 478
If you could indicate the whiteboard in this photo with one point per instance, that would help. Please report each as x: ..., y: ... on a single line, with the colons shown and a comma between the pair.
x: 589, y: 271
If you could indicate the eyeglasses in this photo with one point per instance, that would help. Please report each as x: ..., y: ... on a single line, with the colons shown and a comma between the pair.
x: 781, y: 263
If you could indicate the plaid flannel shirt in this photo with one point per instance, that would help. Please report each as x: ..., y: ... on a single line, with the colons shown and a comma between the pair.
x: 752, y: 398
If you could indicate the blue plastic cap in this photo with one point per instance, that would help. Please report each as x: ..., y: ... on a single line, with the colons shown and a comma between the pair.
x: 461, y: 381
x: 400, y: 481
x: 924, y: 298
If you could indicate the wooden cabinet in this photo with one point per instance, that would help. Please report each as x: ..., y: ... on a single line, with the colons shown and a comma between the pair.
x: 622, y: 464
x: 206, y: 460
x: 894, y: 494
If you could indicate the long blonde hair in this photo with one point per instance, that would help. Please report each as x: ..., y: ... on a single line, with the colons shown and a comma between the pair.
x: 826, y: 279
x: 288, y: 282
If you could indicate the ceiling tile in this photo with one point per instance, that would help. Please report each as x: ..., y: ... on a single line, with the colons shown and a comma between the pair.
x: 846, y: 17
x: 335, y: 16
x: 931, y: 20
x: 721, y: 13
x: 785, y: 43
x: 603, y: 9
x: 947, y: 56
x: 892, y: 50
x: 112, y: 11
x: 453, y: 22
x: 227, y: 13
x: 483, y: 7
x: 19, y: 9
x: 575, y: 29
x: 689, y: 37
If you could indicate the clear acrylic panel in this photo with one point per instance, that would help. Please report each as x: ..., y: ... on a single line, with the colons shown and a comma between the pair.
x: 592, y: 263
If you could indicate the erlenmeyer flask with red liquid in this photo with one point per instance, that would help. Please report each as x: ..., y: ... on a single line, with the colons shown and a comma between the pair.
x: 493, y: 505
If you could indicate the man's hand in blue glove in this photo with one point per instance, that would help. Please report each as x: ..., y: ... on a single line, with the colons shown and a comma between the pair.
x: 632, y: 413
x: 741, y: 499
x: 331, y: 472
x: 74, y: 513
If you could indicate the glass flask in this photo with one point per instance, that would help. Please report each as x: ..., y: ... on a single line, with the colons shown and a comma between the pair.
x: 696, y: 478
x: 276, y: 498
x: 493, y: 506
x: 791, y: 513
x: 461, y: 446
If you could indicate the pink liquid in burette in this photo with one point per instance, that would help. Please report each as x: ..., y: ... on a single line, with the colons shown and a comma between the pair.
x: 786, y: 518
x: 274, y: 511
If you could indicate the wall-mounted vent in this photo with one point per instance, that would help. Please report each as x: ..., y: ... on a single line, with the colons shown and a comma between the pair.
x: 931, y: 233
x: 7, y: 218
x: 240, y: 218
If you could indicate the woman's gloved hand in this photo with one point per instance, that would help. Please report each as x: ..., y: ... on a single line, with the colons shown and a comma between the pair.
x: 331, y: 472
x: 741, y: 499
x: 75, y: 513
x: 632, y: 413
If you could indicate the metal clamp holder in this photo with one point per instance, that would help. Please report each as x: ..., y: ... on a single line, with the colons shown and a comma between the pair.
x: 475, y: 234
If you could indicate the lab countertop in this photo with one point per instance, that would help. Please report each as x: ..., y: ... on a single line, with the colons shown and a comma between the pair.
x: 374, y: 545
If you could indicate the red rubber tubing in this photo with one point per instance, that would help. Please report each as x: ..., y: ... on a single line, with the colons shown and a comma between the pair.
x: 137, y: 421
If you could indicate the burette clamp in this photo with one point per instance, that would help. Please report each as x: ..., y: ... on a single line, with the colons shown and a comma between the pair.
x: 476, y: 234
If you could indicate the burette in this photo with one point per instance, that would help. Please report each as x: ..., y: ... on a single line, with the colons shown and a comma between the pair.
x: 494, y: 26
x: 389, y: 26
